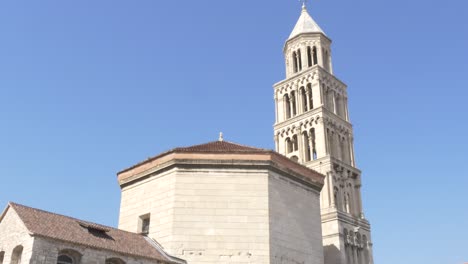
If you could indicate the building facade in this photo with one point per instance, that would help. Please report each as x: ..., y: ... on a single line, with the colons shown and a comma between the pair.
x: 313, y: 128
x: 223, y: 202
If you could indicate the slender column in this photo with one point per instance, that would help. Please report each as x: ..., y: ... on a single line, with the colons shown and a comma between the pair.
x: 353, y: 161
x: 337, y: 141
x: 359, y: 201
x: 307, y: 98
x: 291, y: 106
x: 301, y: 99
x: 331, y: 191
x: 276, y: 108
x: 334, y: 108
x: 300, y: 144
x: 355, y: 258
x: 320, y: 55
x: 296, y: 97
x: 285, y: 106
x: 315, y: 94
x: 346, y: 109
x: 330, y: 64
x: 305, y: 61
x: 321, y: 140
x: 276, y: 138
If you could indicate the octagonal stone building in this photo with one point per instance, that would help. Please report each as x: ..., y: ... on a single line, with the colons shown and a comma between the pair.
x: 223, y: 202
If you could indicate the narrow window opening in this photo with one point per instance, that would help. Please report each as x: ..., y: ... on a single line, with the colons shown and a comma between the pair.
x: 144, y: 224
x: 309, y: 57
x: 295, y: 145
x: 288, y: 145
x: 299, y: 58
x: 114, y: 261
x: 314, y: 147
x: 16, y: 255
x: 304, y: 99
x: 2, y: 255
x: 288, y: 106
x: 307, y: 142
x: 293, y: 102
x: 311, y: 101
x: 314, y: 55
x: 64, y: 259
x: 294, y: 58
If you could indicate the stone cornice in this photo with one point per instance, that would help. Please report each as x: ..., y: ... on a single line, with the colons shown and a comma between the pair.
x: 311, y: 72
x: 267, y: 160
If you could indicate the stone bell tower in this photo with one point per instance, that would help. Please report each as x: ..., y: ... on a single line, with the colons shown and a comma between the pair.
x: 313, y: 128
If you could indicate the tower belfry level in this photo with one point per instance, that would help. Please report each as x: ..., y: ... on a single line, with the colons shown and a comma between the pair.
x: 313, y: 128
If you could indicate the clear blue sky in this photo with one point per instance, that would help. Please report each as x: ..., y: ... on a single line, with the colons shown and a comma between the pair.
x: 89, y: 87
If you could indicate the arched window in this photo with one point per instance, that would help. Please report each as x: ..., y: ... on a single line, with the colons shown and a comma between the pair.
x: 16, y: 255
x: 2, y: 255
x: 314, y: 146
x: 114, y: 261
x: 309, y: 57
x: 335, y: 196
x: 326, y: 61
x: 68, y: 256
x: 293, y: 103
x: 294, y: 58
x: 289, y: 146
x: 314, y: 55
x: 64, y: 259
x: 299, y: 59
x: 305, y: 138
x: 287, y: 106
x: 311, y: 101
x: 347, y: 203
x: 295, y: 143
x: 303, y: 99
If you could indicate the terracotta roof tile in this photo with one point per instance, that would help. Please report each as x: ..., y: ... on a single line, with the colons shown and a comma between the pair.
x: 225, y: 147
x: 64, y: 228
x: 220, y: 146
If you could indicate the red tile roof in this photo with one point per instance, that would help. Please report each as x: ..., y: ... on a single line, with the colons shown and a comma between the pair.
x: 64, y: 228
x: 220, y: 147
x: 224, y: 147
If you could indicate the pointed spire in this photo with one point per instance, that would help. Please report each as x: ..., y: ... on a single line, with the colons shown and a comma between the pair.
x: 305, y: 24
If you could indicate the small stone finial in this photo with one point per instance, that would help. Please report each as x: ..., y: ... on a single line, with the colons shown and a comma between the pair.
x: 221, y: 136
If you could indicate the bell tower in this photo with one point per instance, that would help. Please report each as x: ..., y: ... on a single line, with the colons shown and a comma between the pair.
x: 313, y: 128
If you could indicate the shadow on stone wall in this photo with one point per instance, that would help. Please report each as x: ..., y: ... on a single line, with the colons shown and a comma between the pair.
x: 331, y: 254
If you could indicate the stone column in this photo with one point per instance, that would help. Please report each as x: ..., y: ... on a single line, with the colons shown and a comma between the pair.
x: 305, y: 62
x: 331, y: 190
x: 276, y: 108
x: 276, y: 139
x: 321, y: 140
x: 300, y: 144
x: 291, y: 106
x: 308, y: 95
x: 300, y: 105
x: 345, y: 103
x: 296, y: 97
x: 353, y: 161
x: 316, y: 101
x: 320, y: 55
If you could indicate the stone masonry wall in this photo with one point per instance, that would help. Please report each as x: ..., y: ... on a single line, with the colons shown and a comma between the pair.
x: 13, y: 233
x: 46, y: 251
x: 296, y: 235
